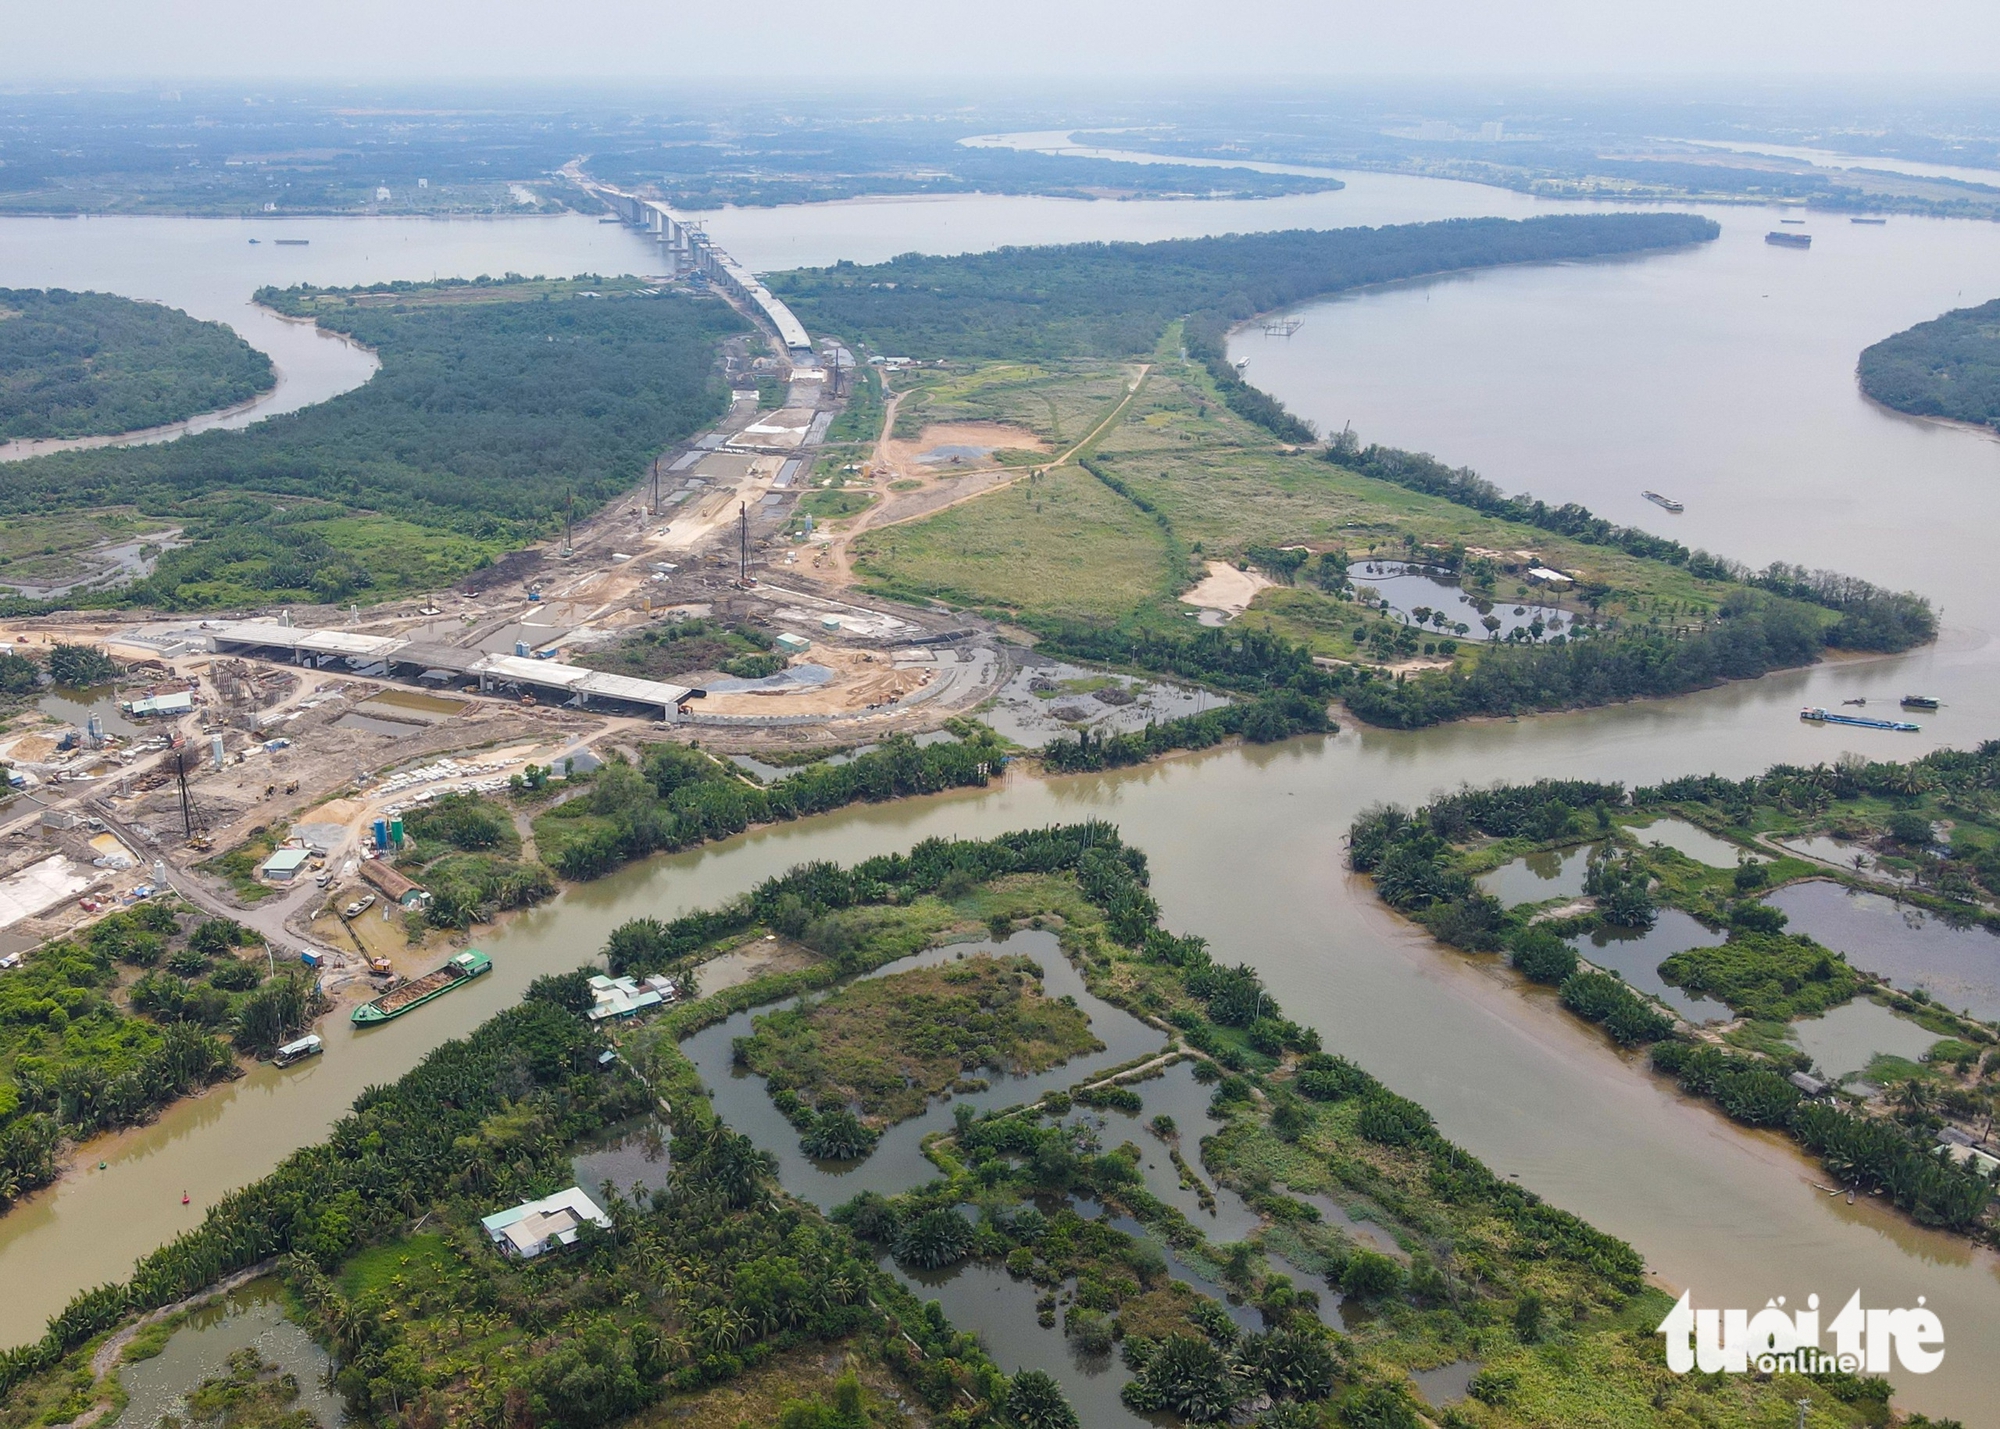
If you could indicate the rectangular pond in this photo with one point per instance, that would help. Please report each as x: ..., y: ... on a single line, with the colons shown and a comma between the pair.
x: 1635, y: 954
x: 1913, y: 948
x: 1554, y: 873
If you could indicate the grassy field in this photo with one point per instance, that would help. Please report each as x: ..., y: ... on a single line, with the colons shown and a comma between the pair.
x: 1061, y: 544
x: 1059, y: 402
x: 1202, y: 484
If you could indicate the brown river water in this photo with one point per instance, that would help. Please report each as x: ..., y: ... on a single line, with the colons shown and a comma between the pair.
x: 1246, y: 844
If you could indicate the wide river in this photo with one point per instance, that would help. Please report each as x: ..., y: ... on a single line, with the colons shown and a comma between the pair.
x: 1246, y: 843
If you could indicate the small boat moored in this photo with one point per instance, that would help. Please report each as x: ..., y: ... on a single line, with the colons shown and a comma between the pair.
x: 307, y: 1046
x: 1816, y: 715
x: 1920, y: 702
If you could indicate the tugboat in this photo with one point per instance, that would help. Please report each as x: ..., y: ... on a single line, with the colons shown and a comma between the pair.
x: 1920, y: 702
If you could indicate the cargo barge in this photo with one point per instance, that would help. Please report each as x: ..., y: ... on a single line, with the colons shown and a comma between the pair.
x: 1819, y: 716
x: 398, y: 1000
x: 1666, y: 503
x: 1920, y: 702
x: 1788, y: 240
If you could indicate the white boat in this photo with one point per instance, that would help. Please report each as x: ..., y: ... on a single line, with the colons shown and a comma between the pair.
x: 307, y: 1046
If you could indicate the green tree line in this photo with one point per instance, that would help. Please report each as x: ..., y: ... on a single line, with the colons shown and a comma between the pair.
x: 1115, y: 299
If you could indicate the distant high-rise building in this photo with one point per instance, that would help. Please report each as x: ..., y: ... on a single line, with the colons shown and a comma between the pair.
x: 1491, y: 130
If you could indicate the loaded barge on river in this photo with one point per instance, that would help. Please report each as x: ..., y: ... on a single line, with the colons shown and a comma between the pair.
x: 1819, y: 716
x: 398, y: 1000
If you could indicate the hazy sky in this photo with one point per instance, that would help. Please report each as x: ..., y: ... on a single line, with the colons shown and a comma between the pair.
x: 45, y: 41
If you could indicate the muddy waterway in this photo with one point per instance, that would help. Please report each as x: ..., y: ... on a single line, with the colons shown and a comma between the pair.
x: 1717, y: 391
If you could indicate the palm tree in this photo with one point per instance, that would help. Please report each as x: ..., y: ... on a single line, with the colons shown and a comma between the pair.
x: 1035, y: 1401
x: 1913, y: 1098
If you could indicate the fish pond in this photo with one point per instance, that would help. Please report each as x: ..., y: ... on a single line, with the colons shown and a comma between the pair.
x: 1958, y: 966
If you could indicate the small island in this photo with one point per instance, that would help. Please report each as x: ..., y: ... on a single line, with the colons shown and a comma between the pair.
x: 883, y: 1047
x: 94, y: 364
x: 1948, y: 367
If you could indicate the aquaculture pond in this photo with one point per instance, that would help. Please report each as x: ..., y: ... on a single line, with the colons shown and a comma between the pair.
x: 1635, y: 954
x: 1843, y: 1042
x: 983, y: 1298
x: 1913, y: 948
x: 251, y: 1317
x: 1697, y: 843
x: 1846, y: 854
x: 1411, y: 588
x: 1177, y: 1094
x: 1541, y: 876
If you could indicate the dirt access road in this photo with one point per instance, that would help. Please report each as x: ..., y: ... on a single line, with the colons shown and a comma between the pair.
x: 898, y: 507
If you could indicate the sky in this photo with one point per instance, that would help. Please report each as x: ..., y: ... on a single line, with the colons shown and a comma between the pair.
x: 52, y: 42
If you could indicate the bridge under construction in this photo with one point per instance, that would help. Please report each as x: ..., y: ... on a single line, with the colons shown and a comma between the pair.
x: 689, y: 250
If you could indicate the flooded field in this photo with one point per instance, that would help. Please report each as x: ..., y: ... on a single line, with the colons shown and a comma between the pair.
x: 1419, y: 592
x: 249, y: 1318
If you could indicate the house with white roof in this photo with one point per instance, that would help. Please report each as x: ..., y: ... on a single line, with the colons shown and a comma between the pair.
x: 532, y: 1227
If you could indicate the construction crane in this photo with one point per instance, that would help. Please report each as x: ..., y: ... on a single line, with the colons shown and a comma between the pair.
x: 194, y: 822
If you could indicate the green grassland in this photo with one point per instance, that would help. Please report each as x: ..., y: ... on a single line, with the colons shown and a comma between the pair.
x: 667, y: 648
x: 46, y: 550
x: 1062, y: 544
x: 1059, y: 402
x: 1066, y: 545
